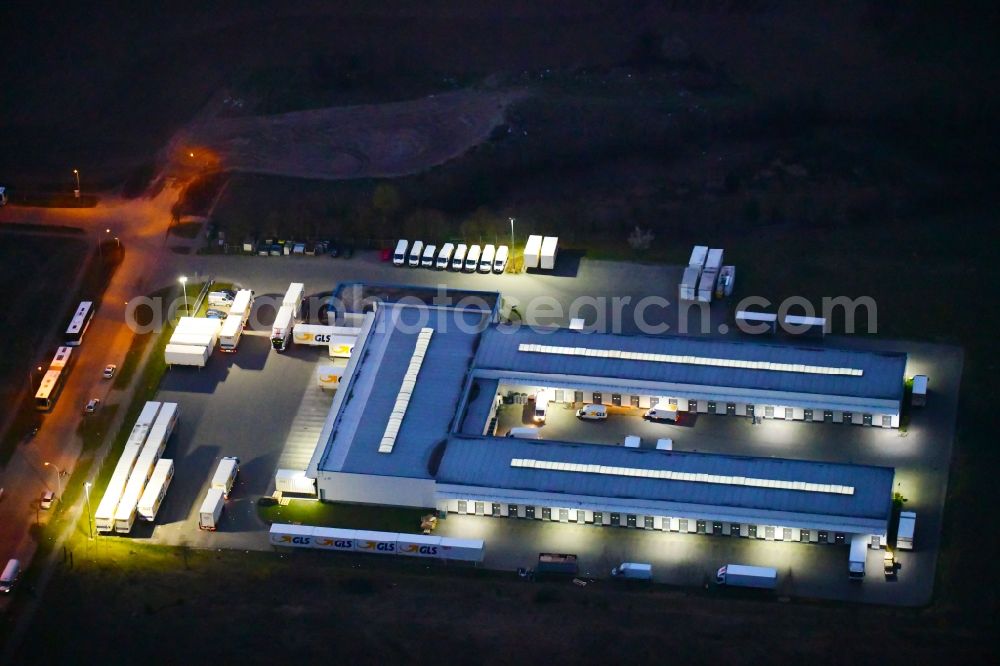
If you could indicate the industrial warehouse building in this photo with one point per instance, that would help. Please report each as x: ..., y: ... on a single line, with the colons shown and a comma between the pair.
x: 412, y: 424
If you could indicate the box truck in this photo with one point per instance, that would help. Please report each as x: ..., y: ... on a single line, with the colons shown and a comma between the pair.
x: 186, y: 355
x: 399, y: 256
x: 211, y: 509
x: 444, y: 256
x: 662, y: 413
x: 907, y: 526
x: 225, y: 475
x: 458, y: 259
x: 282, y: 329
x: 532, y: 251
x: 633, y: 571
x: 472, y: 259
x: 742, y: 575
x: 550, y: 248
x: 486, y: 259
x: 859, y: 554
x: 416, y: 252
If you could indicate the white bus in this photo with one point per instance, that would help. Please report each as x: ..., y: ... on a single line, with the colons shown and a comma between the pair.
x: 79, y: 324
x: 156, y: 489
x: 54, y: 379
x: 104, y: 518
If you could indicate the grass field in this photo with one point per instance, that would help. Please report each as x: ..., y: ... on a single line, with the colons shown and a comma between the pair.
x: 348, y: 516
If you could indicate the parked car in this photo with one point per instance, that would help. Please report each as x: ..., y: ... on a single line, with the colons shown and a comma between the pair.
x: 212, y: 313
x: 48, y: 497
x: 92, y: 406
x: 109, y: 371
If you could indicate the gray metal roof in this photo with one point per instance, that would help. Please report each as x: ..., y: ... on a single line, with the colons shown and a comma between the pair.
x: 379, y: 375
x: 882, y: 377
x: 486, y: 462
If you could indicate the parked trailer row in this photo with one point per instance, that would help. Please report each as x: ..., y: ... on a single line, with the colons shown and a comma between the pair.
x: 383, y: 543
x: 540, y: 252
x: 104, y: 518
x: 156, y: 490
x: 460, y: 257
x: 145, y: 464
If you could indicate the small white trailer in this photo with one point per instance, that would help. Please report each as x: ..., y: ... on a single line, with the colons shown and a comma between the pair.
x: 807, y: 326
x: 294, y: 481
x: 186, y: 355
x: 232, y: 331
x: 532, y: 251
x: 550, y: 248
x: 688, y: 289
x: 756, y: 322
x: 211, y: 510
x: 907, y: 526
x: 713, y: 260
x: 225, y: 475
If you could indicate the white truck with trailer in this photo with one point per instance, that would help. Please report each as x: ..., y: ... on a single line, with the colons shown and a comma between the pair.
x: 532, y: 251
x: 399, y: 256
x: 192, y: 355
x: 858, y: 557
x: 550, y: 248
x: 232, y: 331
x: 281, y: 331
x: 225, y: 475
x: 742, y: 575
x: 156, y: 490
x: 633, y: 571
x: 458, y: 259
x: 211, y: 510
x: 486, y: 259
x: 907, y: 527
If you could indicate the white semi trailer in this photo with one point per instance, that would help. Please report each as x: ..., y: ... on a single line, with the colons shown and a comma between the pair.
x: 196, y: 356
x: 859, y: 554
x: 225, y: 475
x: 294, y: 297
x: 907, y: 526
x: 282, y: 329
x: 550, y: 248
x: 232, y: 331
x: 532, y: 251
x: 156, y: 490
x: 688, y: 289
x: 742, y: 575
x: 211, y: 510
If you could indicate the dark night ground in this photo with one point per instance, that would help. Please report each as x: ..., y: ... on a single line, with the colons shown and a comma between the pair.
x: 888, y: 109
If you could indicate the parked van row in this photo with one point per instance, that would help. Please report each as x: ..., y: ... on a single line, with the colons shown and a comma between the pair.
x: 460, y: 257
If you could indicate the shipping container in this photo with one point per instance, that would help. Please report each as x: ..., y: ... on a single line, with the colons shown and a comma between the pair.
x: 550, y: 249
x: 532, y: 252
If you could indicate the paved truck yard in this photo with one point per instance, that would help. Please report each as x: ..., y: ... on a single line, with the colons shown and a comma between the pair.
x: 214, y: 422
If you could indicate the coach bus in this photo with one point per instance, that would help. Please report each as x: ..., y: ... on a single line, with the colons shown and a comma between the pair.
x: 79, y: 324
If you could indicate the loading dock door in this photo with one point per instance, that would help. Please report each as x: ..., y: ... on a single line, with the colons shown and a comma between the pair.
x: 578, y: 396
x: 616, y: 399
x: 750, y: 411
x: 730, y: 409
x: 692, y: 405
x: 827, y: 416
x: 807, y: 415
x: 868, y: 419
x: 598, y: 398
x: 634, y: 401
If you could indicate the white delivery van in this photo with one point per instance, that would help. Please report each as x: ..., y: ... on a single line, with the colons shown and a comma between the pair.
x: 541, y: 406
x: 500, y: 260
x: 430, y: 255
x: 399, y: 256
x: 907, y: 526
x: 661, y: 413
x: 458, y: 259
x: 592, y: 412
x: 486, y: 259
x: 416, y: 250
x: 225, y: 475
x: 11, y: 573
x: 633, y: 571
x: 472, y: 259
x: 444, y: 256
x: 525, y: 432
x: 219, y: 299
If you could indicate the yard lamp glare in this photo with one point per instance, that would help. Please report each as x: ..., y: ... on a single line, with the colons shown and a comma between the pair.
x: 512, y: 235
x: 76, y: 174
x: 90, y: 527
x: 58, y: 477
x: 183, y: 280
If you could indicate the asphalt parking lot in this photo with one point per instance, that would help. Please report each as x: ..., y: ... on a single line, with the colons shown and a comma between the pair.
x: 242, y: 405
x: 921, y: 455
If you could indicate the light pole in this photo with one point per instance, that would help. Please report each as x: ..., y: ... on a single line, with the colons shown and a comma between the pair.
x: 90, y: 525
x: 59, y: 474
x: 512, y: 237
x: 184, y: 282
x: 76, y: 192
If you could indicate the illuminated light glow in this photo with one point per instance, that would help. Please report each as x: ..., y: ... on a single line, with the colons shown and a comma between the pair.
x: 689, y: 360
x: 405, y: 391
x: 669, y: 475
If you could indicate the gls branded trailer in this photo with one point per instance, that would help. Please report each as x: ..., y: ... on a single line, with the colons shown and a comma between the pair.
x: 379, y: 543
